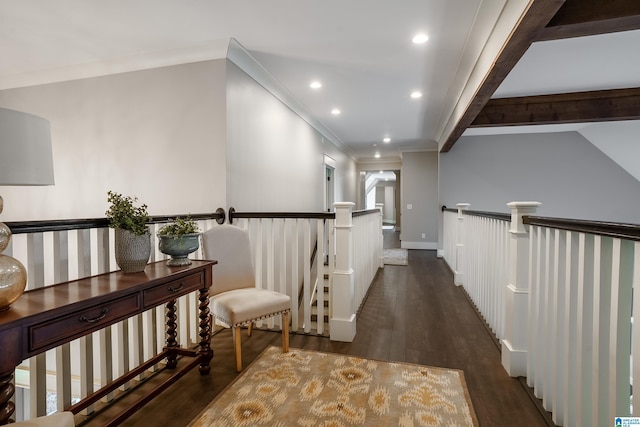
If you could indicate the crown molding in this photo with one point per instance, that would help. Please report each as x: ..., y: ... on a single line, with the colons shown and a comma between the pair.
x: 209, y: 50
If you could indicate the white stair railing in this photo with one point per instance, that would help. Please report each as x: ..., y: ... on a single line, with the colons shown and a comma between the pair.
x: 283, y: 247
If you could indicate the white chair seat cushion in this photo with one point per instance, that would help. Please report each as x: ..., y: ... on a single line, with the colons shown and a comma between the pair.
x: 242, y: 306
x: 59, y: 419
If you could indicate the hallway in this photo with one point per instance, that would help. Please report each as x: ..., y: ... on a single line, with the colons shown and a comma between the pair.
x: 413, y: 314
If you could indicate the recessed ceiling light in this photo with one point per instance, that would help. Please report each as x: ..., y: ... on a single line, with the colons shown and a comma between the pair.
x: 315, y: 85
x: 416, y: 94
x: 381, y: 172
x: 377, y: 155
x: 336, y: 111
x: 420, y: 38
x: 386, y: 140
x: 375, y: 145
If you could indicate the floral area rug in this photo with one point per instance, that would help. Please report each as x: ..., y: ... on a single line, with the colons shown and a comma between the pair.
x: 396, y: 257
x: 312, y: 389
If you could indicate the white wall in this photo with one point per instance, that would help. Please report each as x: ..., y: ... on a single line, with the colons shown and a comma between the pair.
x: 275, y: 159
x: 157, y: 134
x: 564, y: 171
x: 420, y: 190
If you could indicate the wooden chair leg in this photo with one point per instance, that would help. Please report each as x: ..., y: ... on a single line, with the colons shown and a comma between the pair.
x: 285, y: 332
x: 250, y: 329
x: 237, y: 339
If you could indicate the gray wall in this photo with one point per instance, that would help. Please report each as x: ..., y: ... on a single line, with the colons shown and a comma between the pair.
x: 420, y: 189
x: 158, y: 134
x: 564, y: 171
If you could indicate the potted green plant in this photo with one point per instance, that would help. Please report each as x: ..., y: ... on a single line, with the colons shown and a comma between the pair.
x: 178, y: 239
x: 132, y: 237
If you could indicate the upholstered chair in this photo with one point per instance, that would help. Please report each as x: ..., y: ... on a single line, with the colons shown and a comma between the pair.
x: 59, y: 419
x: 235, y: 301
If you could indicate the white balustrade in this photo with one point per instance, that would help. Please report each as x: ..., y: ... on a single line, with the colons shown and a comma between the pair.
x: 449, y: 237
x: 282, y: 250
x: 458, y: 275
x: 566, y: 307
x: 77, y: 369
x: 476, y: 251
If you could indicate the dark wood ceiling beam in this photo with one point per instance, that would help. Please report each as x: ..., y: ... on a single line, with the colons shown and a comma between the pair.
x: 537, y: 17
x: 577, y: 107
x: 578, y: 18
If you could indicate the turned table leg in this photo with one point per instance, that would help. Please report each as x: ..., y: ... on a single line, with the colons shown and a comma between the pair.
x: 172, y: 344
x: 205, y: 351
x: 7, y: 389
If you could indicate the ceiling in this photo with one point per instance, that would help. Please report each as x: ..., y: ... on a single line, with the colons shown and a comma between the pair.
x: 361, y: 51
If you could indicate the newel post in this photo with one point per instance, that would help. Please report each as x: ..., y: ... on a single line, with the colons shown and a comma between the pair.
x: 514, y: 345
x: 343, y: 314
x: 458, y: 274
x: 380, y: 206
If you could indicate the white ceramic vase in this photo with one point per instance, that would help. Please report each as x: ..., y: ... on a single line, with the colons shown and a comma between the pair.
x: 132, y: 251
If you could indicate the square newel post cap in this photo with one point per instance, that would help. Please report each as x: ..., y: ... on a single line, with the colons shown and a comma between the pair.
x: 513, y: 205
x: 518, y: 209
x: 462, y: 207
x: 343, y: 213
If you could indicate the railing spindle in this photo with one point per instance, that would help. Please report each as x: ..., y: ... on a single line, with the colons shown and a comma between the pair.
x: 320, y: 276
x: 306, y: 257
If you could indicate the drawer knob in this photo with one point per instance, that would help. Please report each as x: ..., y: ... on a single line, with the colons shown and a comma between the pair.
x: 179, y: 288
x: 100, y: 317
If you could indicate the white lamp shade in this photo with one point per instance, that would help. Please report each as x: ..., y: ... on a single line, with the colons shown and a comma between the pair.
x: 25, y: 149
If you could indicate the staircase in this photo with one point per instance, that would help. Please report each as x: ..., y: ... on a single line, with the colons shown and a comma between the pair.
x: 314, y: 311
x: 314, y: 308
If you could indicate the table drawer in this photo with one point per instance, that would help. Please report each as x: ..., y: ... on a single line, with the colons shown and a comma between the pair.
x: 77, y: 324
x: 162, y: 293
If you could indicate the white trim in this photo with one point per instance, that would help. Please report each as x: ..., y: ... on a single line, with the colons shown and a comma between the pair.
x: 206, y: 51
x: 342, y: 329
x: 514, y: 361
x: 419, y: 245
x: 330, y: 161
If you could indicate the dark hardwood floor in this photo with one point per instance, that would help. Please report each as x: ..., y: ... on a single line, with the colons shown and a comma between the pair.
x: 412, y: 314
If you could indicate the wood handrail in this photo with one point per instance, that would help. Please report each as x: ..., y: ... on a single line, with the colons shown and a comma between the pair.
x: 365, y: 212
x: 602, y: 228
x: 24, y: 227
x: 493, y: 215
x: 233, y: 214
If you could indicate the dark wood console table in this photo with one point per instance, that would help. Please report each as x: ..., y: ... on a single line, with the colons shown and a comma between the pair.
x: 45, y: 318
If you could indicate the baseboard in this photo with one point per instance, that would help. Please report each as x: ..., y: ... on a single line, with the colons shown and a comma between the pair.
x: 419, y: 245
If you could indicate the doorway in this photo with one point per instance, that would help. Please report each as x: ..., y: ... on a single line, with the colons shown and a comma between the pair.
x: 382, y: 186
x: 330, y: 188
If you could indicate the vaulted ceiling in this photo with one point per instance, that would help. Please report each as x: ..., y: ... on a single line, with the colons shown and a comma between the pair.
x: 581, y: 68
x: 569, y: 62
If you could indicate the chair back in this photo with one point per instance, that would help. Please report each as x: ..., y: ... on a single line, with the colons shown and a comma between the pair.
x: 230, y: 246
